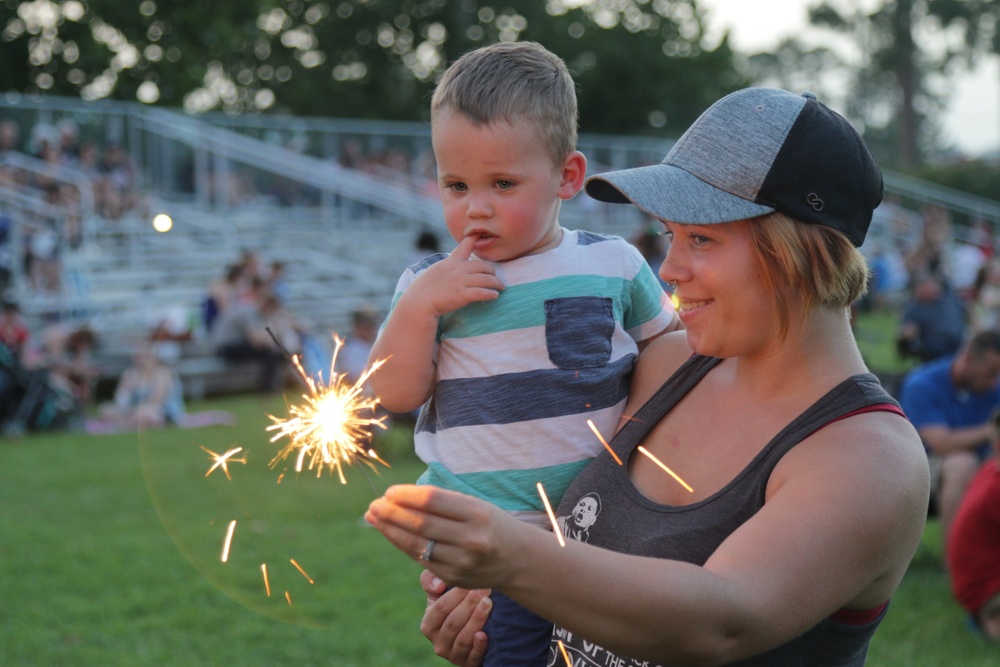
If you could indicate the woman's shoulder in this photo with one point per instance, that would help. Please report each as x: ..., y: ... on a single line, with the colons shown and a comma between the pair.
x: 658, y: 361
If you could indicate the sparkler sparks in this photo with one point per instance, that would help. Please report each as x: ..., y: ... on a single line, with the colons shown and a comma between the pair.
x: 565, y: 655
x: 267, y: 584
x: 223, y: 460
x: 665, y: 468
x: 552, y: 516
x: 299, y: 568
x: 604, y: 442
x: 327, y: 430
x: 228, y: 540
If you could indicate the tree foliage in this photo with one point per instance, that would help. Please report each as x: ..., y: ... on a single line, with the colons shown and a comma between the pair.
x: 640, y: 64
x: 903, y: 53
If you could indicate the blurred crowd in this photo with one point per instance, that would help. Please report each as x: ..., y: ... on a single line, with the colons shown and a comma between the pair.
x: 47, y: 149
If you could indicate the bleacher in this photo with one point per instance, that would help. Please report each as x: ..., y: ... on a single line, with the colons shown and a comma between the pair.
x: 273, y: 185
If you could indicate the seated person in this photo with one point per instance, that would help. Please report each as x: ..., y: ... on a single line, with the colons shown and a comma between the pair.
x: 973, y: 546
x: 147, y: 395
x: 933, y: 322
x: 951, y: 402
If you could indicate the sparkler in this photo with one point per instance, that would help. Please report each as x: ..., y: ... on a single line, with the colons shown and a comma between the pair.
x: 552, y: 516
x: 228, y: 540
x: 328, y: 428
x: 223, y: 460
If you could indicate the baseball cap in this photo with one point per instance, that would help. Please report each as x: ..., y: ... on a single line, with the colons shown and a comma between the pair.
x: 753, y: 152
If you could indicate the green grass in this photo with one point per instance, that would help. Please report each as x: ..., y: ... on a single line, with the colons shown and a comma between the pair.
x: 110, y: 555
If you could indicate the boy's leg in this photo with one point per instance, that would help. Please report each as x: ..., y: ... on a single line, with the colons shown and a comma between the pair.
x: 517, y: 637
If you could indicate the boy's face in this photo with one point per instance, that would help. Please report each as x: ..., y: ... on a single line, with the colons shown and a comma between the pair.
x: 499, y: 184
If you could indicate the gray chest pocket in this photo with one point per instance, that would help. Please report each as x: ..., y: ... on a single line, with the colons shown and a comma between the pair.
x: 578, y: 331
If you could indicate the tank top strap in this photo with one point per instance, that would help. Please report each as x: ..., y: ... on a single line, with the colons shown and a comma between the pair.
x: 661, y: 402
x: 857, y: 393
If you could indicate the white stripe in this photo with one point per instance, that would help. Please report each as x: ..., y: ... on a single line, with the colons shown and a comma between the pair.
x: 522, y: 445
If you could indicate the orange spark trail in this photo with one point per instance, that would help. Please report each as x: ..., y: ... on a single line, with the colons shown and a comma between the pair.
x: 267, y: 584
x: 603, y: 441
x: 668, y: 470
x: 288, y: 596
x: 299, y: 568
x: 223, y: 460
x: 228, y: 540
x: 565, y: 655
x: 552, y: 516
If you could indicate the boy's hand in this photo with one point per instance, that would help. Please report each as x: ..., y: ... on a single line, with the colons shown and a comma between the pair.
x: 457, y: 281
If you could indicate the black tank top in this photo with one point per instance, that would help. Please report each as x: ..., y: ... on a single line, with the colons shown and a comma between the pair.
x: 603, y: 508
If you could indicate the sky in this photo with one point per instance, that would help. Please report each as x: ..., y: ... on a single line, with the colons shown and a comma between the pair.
x: 972, y: 120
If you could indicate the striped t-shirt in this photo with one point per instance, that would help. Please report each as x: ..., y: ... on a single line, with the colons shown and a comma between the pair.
x: 518, y: 377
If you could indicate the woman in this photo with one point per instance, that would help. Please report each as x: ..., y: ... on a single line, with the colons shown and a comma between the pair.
x: 808, y: 487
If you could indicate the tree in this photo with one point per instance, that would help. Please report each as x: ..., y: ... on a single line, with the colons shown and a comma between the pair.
x: 640, y: 64
x: 897, y: 86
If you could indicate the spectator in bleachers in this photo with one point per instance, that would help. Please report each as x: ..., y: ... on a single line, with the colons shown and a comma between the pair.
x: 250, y: 272
x: 352, y: 360
x: 932, y: 254
x: 966, y: 260
x: 222, y: 293
x: 240, y: 333
x: 425, y: 245
x: 10, y: 136
x: 116, y: 182
x: 276, y: 281
x: 41, y: 260
x: 14, y: 332
x: 68, y: 148
x: 951, y: 402
x: 933, y: 322
x: 984, y: 303
x: 889, y: 280
x: 67, y: 355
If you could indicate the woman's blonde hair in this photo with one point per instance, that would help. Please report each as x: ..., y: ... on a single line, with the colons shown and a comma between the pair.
x: 807, y: 265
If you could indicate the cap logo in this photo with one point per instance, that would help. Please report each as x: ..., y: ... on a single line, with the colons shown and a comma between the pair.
x: 813, y: 200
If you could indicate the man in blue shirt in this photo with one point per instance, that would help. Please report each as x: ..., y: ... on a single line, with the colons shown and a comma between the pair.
x: 951, y: 402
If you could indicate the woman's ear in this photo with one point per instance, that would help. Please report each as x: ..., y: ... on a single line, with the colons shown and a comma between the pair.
x: 574, y: 172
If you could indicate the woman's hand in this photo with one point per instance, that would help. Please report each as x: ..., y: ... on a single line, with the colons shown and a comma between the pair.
x: 454, y: 620
x: 463, y: 540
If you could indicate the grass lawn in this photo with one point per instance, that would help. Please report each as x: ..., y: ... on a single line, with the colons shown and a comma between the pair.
x: 110, y: 554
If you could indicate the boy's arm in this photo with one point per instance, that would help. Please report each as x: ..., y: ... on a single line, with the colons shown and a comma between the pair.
x: 406, y: 343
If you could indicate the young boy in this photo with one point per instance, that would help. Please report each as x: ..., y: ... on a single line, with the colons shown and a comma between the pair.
x: 526, y: 330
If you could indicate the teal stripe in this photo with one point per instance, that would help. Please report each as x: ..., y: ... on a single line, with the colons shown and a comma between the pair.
x: 511, y: 490
x: 522, y: 306
x: 647, y: 296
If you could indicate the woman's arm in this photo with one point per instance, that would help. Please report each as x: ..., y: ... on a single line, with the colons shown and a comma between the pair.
x: 843, y: 516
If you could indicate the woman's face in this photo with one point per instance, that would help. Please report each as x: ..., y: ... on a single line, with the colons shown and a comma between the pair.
x: 723, y: 302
